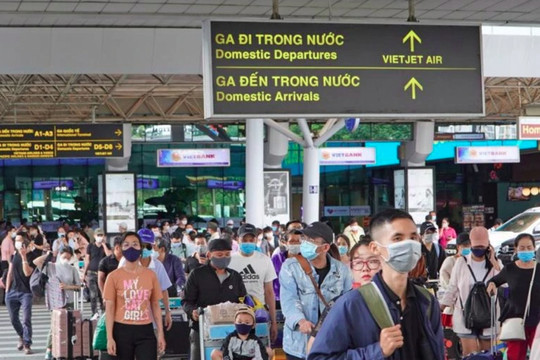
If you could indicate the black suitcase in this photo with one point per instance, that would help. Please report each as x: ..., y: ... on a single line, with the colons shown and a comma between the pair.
x: 452, y: 345
x: 178, y: 346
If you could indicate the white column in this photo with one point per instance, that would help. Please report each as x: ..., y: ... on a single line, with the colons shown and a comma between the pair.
x: 254, y: 172
x: 310, y: 194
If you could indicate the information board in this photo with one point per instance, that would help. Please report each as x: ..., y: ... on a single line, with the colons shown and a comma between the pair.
x: 285, y: 69
x: 64, y: 141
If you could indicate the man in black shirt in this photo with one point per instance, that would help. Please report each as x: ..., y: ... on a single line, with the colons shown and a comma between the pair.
x: 94, y: 253
x: 109, y: 263
x: 432, y: 251
x: 211, y: 284
x: 18, y: 292
x: 198, y: 258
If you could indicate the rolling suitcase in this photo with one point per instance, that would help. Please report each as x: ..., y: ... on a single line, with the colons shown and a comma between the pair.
x: 492, y: 353
x: 66, y: 336
x: 88, y: 327
x: 452, y: 345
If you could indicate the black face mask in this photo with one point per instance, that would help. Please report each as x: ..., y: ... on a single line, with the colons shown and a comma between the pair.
x: 479, y: 252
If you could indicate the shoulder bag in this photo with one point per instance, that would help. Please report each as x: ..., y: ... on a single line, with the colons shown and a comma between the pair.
x: 309, y: 272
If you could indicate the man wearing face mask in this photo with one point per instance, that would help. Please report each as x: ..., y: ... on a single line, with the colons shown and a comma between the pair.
x: 213, y: 230
x: 173, y: 266
x: 211, y: 284
x: 18, y: 292
x: 95, y: 252
x: 351, y: 331
x: 305, y: 293
x: 289, y: 247
x: 110, y: 263
x: 198, y: 258
x: 257, y: 272
x: 354, y: 231
x: 432, y: 251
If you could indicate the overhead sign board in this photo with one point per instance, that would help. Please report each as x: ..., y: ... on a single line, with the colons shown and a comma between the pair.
x: 459, y: 136
x: 285, y: 69
x: 225, y: 184
x: 529, y: 128
x: 347, y: 156
x: 193, y: 157
x: 64, y: 141
x: 487, y: 154
x: 357, y: 210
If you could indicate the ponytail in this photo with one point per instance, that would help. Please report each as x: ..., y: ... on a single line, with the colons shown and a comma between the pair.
x: 334, y: 252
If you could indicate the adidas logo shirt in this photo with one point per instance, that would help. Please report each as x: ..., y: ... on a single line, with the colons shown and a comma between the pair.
x: 255, y: 270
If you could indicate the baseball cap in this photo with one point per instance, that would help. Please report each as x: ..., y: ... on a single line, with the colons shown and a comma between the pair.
x: 479, y: 236
x: 219, y: 245
x: 247, y: 229
x: 245, y: 310
x: 319, y: 229
x: 230, y: 222
x: 463, y: 239
x: 99, y: 231
x: 426, y: 225
x: 146, y: 235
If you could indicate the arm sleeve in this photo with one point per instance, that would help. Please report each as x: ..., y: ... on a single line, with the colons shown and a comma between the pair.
x: 191, y: 294
x: 109, y: 290
x: 445, y: 272
x: 442, y: 257
x: 101, y: 266
x: 163, y: 278
x: 179, y: 272
x: 291, y: 304
x: 271, y: 271
x: 452, y: 292
x: 500, y: 278
x: 436, y: 325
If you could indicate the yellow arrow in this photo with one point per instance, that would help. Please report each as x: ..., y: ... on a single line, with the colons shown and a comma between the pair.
x: 411, y: 35
x: 413, y: 84
x: 118, y: 132
x: 118, y: 146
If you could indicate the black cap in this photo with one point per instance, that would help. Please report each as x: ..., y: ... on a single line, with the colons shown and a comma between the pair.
x: 463, y: 239
x: 219, y: 245
x: 247, y: 229
x: 319, y: 229
x: 426, y: 225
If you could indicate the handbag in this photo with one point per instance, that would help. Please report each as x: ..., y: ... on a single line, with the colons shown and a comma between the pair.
x: 99, y: 342
x: 513, y: 329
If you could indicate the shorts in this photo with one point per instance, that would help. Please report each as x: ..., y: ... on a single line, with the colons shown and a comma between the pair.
x: 475, y: 334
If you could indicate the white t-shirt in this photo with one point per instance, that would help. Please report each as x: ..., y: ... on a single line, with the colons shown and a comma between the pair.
x: 256, y: 270
x: 479, y: 269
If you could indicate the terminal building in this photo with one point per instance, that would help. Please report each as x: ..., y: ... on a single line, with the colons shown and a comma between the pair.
x: 141, y: 65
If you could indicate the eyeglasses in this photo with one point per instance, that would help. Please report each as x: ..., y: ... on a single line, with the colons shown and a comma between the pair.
x: 371, y: 264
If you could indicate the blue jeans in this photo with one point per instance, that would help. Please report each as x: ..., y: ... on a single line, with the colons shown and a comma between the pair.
x: 14, y: 301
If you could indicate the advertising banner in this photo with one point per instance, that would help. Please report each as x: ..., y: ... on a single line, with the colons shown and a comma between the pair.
x: 487, y: 154
x: 529, y: 128
x: 347, y: 156
x: 277, y: 193
x: 193, y: 157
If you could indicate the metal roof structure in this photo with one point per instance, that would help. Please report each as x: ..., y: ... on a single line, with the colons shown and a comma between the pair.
x: 189, y: 13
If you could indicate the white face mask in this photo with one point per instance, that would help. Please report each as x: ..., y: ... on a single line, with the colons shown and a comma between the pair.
x: 18, y: 245
x: 430, y: 238
x: 355, y: 228
x: 183, y: 222
x: 99, y: 239
x: 63, y: 261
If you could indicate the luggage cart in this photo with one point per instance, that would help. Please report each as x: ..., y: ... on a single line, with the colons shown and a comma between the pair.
x: 211, y: 336
x: 177, y: 338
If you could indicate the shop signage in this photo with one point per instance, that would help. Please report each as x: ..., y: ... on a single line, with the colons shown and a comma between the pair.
x: 64, y: 141
x: 225, y: 185
x: 529, y: 128
x: 53, y: 184
x: 487, y: 154
x: 293, y: 69
x: 459, y: 136
x: 147, y: 183
x: 193, y: 157
x: 359, y: 210
x: 347, y: 156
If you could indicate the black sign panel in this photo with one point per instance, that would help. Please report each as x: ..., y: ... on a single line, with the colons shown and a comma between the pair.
x: 281, y: 69
x: 61, y: 141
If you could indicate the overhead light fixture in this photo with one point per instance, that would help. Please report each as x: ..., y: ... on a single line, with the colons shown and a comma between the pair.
x: 526, y: 191
x: 534, y: 191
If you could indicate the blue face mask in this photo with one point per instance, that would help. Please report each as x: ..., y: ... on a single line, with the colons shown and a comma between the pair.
x: 248, y: 248
x: 274, y: 228
x: 526, y: 256
x: 465, y: 251
x: 308, y: 250
x: 343, y: 250
x: 61, y: 234
x: 146, y: 253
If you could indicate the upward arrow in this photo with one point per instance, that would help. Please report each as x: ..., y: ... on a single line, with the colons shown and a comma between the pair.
x: 413, y: 84
x: 412, y: 37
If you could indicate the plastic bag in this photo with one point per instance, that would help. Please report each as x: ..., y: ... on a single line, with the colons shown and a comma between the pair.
x: 100, y: 335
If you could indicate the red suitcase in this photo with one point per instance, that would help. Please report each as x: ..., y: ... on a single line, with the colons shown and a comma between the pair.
x: 88, y: 327
x: 67, y: 334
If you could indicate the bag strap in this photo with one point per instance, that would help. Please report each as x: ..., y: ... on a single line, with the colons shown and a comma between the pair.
x: 376, y: 305
x: 425, y: 292
x: 309, y: 272
x: 528, y: 306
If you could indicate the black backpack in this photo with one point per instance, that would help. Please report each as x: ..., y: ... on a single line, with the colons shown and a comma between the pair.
x: 477, y: 310
x: 39, y: 278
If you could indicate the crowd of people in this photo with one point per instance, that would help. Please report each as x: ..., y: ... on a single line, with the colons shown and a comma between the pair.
x: 386, y: 291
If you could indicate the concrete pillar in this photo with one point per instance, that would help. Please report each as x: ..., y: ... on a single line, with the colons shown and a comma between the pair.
x: 117, y: 164
x: 254, y: 172
x: 310, y: 191
x: 415, y: 152
x: 275, y: 147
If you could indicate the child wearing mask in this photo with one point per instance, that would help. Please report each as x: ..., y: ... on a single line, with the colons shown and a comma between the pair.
x: 243, y: 344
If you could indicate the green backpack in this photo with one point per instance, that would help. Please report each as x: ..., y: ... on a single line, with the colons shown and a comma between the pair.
x: 377, y: 305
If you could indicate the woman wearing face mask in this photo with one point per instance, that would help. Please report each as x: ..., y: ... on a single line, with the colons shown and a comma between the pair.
x: 446, y: 233
x: 344, y: 244
x: 173, y: 266
x: 479, y: 265
x: 518, y: 276
x: 63, y: 282
x: 132, y: 294
x: 290, y: 247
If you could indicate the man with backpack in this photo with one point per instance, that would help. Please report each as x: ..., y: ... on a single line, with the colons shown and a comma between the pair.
x: 390, y: 318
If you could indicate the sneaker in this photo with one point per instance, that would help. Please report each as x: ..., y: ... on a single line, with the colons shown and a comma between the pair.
x: 27, y: 350
x: 20, y: 345
x: 94, y: 317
